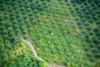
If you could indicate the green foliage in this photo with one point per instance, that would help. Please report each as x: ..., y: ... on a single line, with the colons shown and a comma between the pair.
x: 62, y: 32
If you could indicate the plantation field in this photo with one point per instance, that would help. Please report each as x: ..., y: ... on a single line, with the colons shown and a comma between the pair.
x: 49, y: 33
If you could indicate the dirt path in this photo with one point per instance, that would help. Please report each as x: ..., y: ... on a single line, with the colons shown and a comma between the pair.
x: 29, y: 44
x: 54, y: 65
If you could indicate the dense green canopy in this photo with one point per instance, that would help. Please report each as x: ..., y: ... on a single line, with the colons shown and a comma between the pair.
x: 64, y: 32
